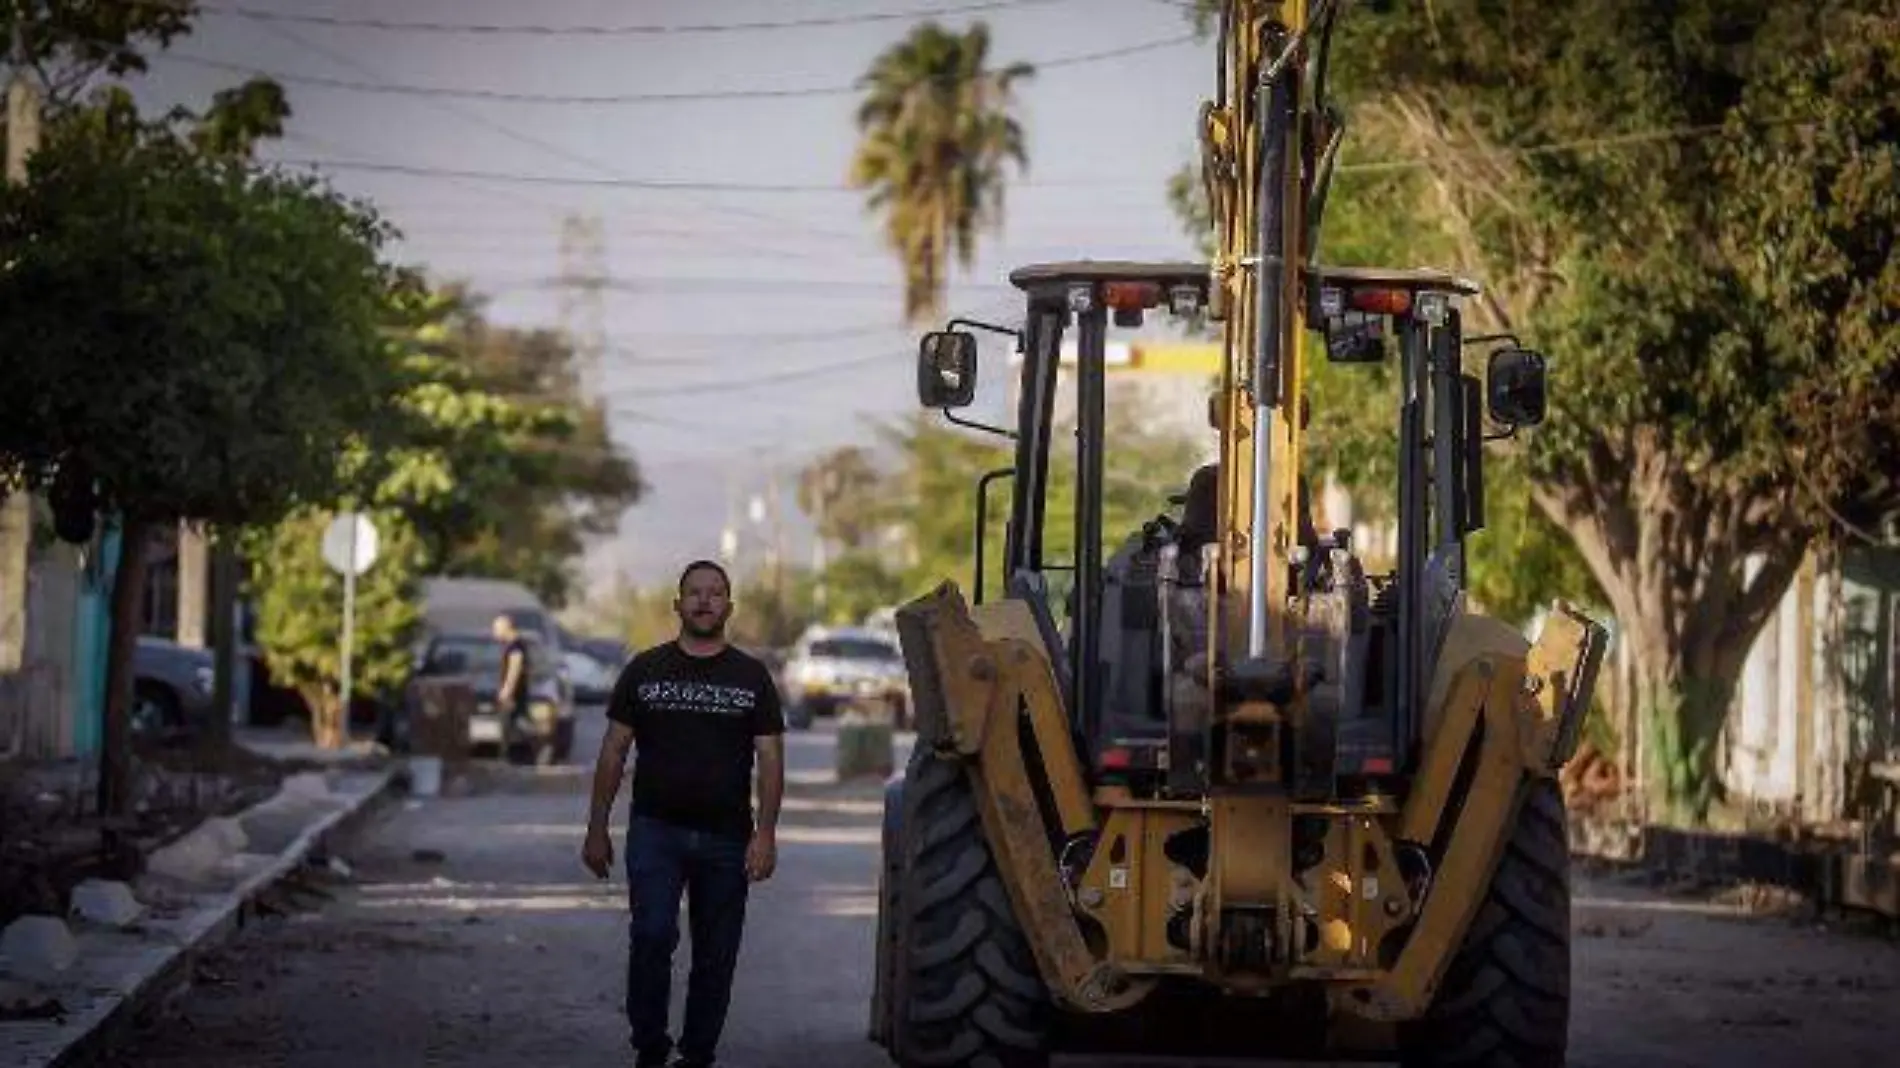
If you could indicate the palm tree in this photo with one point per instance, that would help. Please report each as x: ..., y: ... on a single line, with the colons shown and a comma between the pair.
x: 937, y: 129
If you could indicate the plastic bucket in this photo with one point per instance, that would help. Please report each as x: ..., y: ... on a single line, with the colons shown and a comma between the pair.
x: 425, y: 776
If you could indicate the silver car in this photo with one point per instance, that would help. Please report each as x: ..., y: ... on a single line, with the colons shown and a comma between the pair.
x: 831, y: 667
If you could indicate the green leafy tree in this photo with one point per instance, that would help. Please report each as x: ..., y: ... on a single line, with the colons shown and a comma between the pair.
x: 540, y: 470
x: 299, y: 602
x: 67, y: 44
x: 838, y: 490
x: 858, y: 583
x: 441, y: 478
x: 937, y: 129
x: 1712, y: 267
x: 191, y: 337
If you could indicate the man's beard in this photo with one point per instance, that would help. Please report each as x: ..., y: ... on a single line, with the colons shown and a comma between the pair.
x: 713, y: 629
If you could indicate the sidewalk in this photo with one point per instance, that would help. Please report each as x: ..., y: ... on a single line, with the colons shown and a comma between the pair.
x: 196, y: 892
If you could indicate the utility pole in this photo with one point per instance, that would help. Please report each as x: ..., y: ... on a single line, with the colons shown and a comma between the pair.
x: 16, y: 509
x: 778, y: 534
x: 821, y: 597
x: 729, y: 534
x: 583, y: 279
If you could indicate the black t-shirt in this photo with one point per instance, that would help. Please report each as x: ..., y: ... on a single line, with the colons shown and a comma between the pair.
x: 516, y: 647
x: 694, y: 722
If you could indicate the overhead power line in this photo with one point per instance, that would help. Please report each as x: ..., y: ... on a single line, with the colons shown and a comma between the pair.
x: 753, y: 381
x: 543, y: 145
x: 616, y: 30
x: 702, y: 185
x: 705, y: 185
x: 605, y: 99
x: 680, y: 184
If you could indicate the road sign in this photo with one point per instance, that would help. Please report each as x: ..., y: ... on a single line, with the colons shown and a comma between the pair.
x: 349, y: 547
x: 350, y: 544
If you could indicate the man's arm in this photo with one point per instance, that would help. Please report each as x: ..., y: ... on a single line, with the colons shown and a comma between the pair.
x: 771, y: 750
x: 768, y: 742
x: 609, y: 769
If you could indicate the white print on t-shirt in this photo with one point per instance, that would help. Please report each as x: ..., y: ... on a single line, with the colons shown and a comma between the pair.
x: 697, y: 697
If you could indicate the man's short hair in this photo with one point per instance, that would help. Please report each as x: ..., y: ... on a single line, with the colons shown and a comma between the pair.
x: 705, y: 565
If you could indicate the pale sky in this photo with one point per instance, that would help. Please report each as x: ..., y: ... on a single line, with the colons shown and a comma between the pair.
x: 709, y: 286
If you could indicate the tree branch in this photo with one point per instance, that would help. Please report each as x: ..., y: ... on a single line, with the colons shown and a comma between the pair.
x: 1762, y: 595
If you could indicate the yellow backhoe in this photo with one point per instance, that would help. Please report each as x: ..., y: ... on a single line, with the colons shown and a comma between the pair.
x: 1229, y: 792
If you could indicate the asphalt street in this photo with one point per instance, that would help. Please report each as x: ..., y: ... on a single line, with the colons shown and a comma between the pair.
x: 469, y: 934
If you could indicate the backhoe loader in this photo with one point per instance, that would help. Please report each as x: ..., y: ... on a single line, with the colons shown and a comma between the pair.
x: 1234, y: 792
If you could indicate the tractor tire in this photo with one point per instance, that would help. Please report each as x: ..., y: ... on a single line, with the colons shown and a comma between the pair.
x: 1504, y: 1001
x: 966, y: 991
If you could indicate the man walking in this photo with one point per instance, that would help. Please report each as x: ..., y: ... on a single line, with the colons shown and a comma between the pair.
x: 511, y: 692
x: 699, y: 711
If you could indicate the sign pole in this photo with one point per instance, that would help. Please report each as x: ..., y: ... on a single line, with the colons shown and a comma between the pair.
x: 349, y: 547
x: 349, y: 619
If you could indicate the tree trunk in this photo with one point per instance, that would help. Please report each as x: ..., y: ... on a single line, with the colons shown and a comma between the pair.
x: 1672, y: 556
x: 326, y: 715
x: 128, y: 602
x: 1682, y: 716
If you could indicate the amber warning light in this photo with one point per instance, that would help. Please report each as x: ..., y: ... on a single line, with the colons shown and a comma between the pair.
x: 1131, y: 296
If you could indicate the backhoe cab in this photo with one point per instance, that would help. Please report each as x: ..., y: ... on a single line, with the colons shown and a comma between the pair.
x: 1220, y: 784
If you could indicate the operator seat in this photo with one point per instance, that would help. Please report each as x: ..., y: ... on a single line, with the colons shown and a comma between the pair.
x: 1200, y: 515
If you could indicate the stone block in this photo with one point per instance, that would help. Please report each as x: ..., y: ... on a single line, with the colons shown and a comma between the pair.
x: 307, y: 785
x: 107, y: 903
x: 228, y: 833
x: 38, y: 949
x: 199, y: 854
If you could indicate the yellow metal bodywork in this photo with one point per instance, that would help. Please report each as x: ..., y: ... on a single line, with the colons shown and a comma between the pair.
x: 1498, y: 705
x: 1497, y: 709
x: 995, y: 677
x: 1231, y: 156
x: 1130, y: 887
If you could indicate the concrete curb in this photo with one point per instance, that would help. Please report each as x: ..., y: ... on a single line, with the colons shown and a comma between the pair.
x: 163, y: 971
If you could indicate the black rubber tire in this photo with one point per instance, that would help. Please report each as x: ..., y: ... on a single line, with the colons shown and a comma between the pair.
x: 889, y: 903
x: 168, y: 711
x: 966, y: 992
x: 1505, y: 999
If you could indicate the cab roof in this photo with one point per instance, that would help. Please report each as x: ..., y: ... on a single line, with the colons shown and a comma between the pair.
x: 1041, y: 276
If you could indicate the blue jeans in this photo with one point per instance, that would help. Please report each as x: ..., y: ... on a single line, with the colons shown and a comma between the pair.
x: 664, y: 861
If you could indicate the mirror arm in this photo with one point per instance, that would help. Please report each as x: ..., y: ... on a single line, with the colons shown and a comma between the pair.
x: 997, y: 430
x: 992, y: 328
x: 1479, y: 339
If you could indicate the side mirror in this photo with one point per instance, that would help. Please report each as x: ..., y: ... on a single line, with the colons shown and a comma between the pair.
x: 946, y: 369
x: 1514, y: 387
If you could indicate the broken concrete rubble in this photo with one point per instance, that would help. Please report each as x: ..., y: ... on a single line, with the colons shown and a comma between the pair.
x: 198, y: 856
x: 107, y: 903
x: 38, y: 949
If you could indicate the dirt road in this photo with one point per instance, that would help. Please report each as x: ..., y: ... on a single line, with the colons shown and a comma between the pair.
x: 470, y: 936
